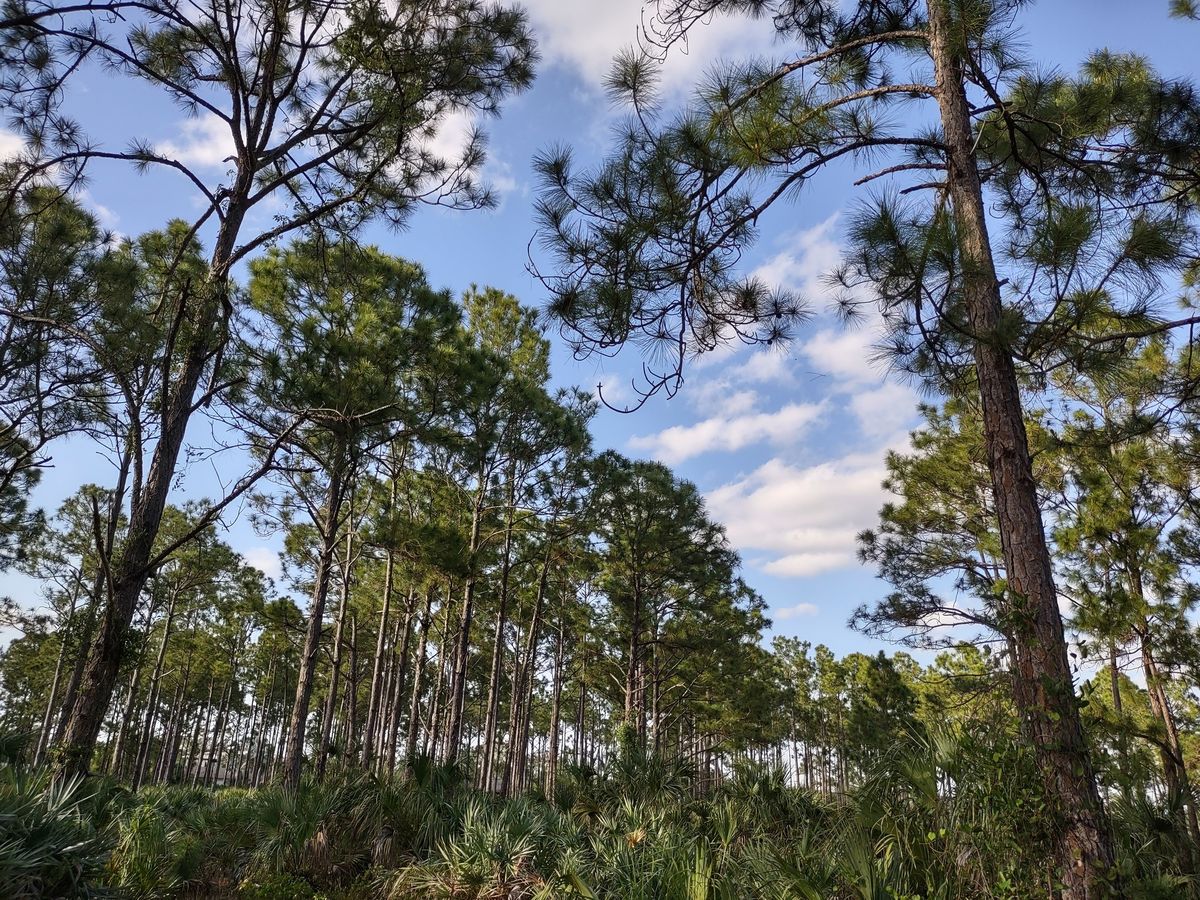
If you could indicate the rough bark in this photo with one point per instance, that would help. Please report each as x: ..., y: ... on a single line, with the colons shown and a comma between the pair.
x: 129, y: 571
x: 1046, y: 696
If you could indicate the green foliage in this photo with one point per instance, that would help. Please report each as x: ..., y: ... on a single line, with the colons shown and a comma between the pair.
x: 275, y: 887
x: 52, y: 842
x: 952, y: 813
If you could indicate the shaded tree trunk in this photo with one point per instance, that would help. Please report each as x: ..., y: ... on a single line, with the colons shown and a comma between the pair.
x: 293, y: 754
x: 419, y: 663
x: 336, y: 672
x: 555, y: 713
x: 518, y: 727
x: 377, y: 672
x: 152, y: 699
x: 397, y: 698
x: 492, y: 711
x: 462, y: 648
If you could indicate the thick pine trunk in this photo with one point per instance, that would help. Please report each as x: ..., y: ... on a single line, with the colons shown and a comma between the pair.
x: 130, y: 574
x: 1045, y: 689
x: 129, y: 570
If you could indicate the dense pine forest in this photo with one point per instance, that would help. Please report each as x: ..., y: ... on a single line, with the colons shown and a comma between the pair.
x: 499, y: 658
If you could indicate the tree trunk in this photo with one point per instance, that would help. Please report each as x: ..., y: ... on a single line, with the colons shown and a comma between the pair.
x: 462, y: 650
x: 555, y: 714
x: 374, y: 701
x: 518, y: 728
x: 397, y: 698
x: 139, y: 770
x: 130, y: 571
x: 200, y: 736
x: 115, y: 763
x: 633, y: 665
x: 492, y: 712
x: 352, y: 691
x: 212, y: 771
x: 414, y: 708
x: 166, y: 762
x: 1175, y: 772
x: 44, y: 733
x: 294, y: 750
x: 1041, y: 670
x: 335, y: 674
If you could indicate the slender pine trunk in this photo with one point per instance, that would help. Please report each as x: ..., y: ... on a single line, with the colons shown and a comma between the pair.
x: 331, y: 697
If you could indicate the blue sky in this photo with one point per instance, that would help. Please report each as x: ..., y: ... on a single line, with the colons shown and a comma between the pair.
x: 787, y: 445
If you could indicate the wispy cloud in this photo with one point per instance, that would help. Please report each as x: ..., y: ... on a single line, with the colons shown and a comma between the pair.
x: 588, y: 42
x: 266, y: 560
x: 729, y: 432
x: 10, y: 144
x: 803, y: 519
x: 203, y: 141
x: 796, y: 611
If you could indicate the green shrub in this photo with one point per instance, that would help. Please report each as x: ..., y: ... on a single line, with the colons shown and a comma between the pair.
x: 277, y: 886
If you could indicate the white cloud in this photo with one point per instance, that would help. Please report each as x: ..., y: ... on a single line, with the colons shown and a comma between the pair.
x: 10, y: 144
x: 765, y: 367
x: 885, y: 410
x: 810, y: 255
x: 789, y: 519
x: 104, y: 215
x: 729, y: 432
x: 614, y: 388
x: 450, y: 140
x: 803, y: 518
x: 585, y: 36
x: 265, y: 560
x: 452, y: 135
x: 844, y: 352
x: 794, y: 612
x: 847, y: 354
x: 204, y: 141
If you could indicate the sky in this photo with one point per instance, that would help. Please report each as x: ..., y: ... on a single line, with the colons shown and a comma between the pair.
x: 788, y: 444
